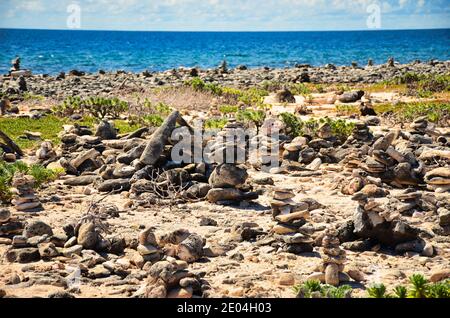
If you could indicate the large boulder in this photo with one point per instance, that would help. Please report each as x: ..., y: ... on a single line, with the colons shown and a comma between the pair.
x: 351, y: 97
x: 228, y: 176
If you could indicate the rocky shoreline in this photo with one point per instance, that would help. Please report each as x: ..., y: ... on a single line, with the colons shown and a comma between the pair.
x: 106, y: 83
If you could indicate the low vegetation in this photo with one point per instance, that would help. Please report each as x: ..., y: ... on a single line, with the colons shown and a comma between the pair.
x: 97, y: 107
x: 315, y: 289
x: 50, y: 126
x: 419, y: 287
x: 7, y: 171
x: 295, y: 126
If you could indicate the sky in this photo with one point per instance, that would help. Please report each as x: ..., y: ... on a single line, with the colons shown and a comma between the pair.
x: 225, y: 15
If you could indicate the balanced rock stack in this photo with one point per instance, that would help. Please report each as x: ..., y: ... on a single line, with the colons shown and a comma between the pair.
x: 399, y: 168
x: 8, y: 226
x: 290, y: 217
x: 231, y: 140
x: 148, y: 246
x: 410, y: 202
x: 171, y: 278
x: 438, y: 180
x: 228, y: 180
x: 383, y: 225
x: 268, y: 150
x: 45, y: 152
x: 169, y: 256
x: 25, y: 198
x: 361, y: 135
x: 333, y: 258
x: 292, y: 149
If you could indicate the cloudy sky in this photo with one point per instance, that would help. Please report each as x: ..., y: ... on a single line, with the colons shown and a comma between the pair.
x: 225, y: 15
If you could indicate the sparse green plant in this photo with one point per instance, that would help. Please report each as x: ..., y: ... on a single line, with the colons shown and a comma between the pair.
x: 7, y: 171
x: 255, y: 117
x: 377, y: 291
x: 419, y: 286
x: 216, y: 123
x: 199, y: 85
x: 271, y: 86
x: 157, y: 108
x: 300, y: 89
x: 310, y: 288
x: 401, y: 291
x: 98, y: 107
x: 228, y: 109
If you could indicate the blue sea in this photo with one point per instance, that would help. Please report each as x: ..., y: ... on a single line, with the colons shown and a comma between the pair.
x: 50, y: 52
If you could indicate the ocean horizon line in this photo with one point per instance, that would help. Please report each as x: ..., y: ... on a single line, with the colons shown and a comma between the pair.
x: 226, y: 31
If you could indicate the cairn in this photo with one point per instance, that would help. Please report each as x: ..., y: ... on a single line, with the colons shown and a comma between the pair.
x: 333, y: 258
x: 438, y: 180
x: 8, y: 226
x: 168, y: 257
x: 228, y: 180
x: 268, y: 150
x: 25, y: 198
x: 382, y: 224
x: 45, y: 151
x: 290, y: 217
x: 171, y: 278
x: 331, y: 271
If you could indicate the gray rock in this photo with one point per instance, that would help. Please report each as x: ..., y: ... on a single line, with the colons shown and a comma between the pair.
x: 106, y: 130
x: 114, y: 185
x: 160, y: 137
x: 47, y: 250
x: 197, y: 191
x: 228, y: 176
x: 80, y: 181
x: 88, y: 236
x: 37, y: 228
x: 351, y: 97
x: 23, y: 255
x: 5, y: 215
x: 227, y: 194
x: 444, y: 216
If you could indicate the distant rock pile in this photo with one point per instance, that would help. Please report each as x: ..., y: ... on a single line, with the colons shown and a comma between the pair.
x: 25, y: 198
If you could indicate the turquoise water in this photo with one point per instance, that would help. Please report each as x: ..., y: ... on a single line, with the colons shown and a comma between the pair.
x: 45, y: 51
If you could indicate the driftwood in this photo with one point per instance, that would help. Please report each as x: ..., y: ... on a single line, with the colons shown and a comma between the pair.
x: 160, y: 138
x: 11, y: 144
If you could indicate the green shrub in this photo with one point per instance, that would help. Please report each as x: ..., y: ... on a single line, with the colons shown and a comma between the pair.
x: 228, y: 109
x: 401, y: 292
x: 436, y: 112
x: 377, y: 291
x: 309, y: 288
x: 295, y: 127
x: 7, y: 171
x: 199, y: 85
x: 158, y: 108
x: 255, y: 117
x: 216, y: 123
x: 153, y: 120
x: 271, y: 86
x: 300, y: 89
x: 98, y: 107
x: 419, y: 287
